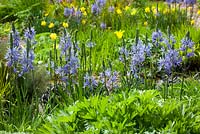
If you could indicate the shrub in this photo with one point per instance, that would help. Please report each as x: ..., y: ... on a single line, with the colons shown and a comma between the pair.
x: 137, y: 112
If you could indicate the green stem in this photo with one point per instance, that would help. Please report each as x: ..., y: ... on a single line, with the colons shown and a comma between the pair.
x: 55, y: 60
x: 172, y: 90
x: 181, y: 92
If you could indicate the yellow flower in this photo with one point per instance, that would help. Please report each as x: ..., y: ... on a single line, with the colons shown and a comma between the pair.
x: 192, y: 22
x: 147, y: 10
x: 133, y: 12
x: 71, y: 5
x: 173, y: 9
x: 82, y: 9
x: 155, y: 11
x: 84, y: 13
x: 153, y: 7
x: 51, y: 25
x: 119, y: 11
x: 53, y: 36
x: 127, y: 8
x: 43, y: 23
x: 145, y: 23
x: 46, y: 14
x: 119, y: 34
x: 65, y: 25
x: 83, y: 21
x: 190, y: 8
x: 198, y: 12
x: 165, y: 11
x: 75, y: 8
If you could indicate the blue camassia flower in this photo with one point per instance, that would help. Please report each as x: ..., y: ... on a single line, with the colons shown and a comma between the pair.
x: 16, y: 38
x: 170, y: 60
x: 137, y: 57
x: 173, y: 1
x: 65, y: 44
x: 111, y: 9
x: 187, y: 47
x: 29, y: 33
x: 190, y: 2
x: 70, y: 59
x: 26, y: 62
x: 123, y: 53
x: 13, y: 53
x: 91, y: 44
x: 109, y: 79
x: 103, y: 25
x: 186, y: 43
x: 12, y: 56
x: 69, y: 11
x: 89, y: 81
x: 95, y: 9
x: 157, y: 37
x: 101, y: 3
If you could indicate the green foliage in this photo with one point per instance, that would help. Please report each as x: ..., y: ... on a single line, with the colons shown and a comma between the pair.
x: 44, y: 45
x: 4, y: 80
x: 6, y: 13
x: 34, y: 83
x: 22, y: 11
x: 139, y: 3
x: 19, y: 106
x: 136, y: 112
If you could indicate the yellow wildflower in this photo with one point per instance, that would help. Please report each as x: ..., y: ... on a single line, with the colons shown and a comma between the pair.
x: 83, y: 21
x: 75, y: 8
x: 147, y: 10
x: 173, y: 9
x: 119, y: 34
x: 198, y: 12
x: 153, y: 7
x: 43, y: 23
x: 71, y: 5
x: 46, y: 14
x: 53, y: 36
x: 192, y: 22
x: 84, y: 13
x: 165, y: 11
x: 133, y: 11
x: 127, y: 8
x: 51, y: 25
x: 155, y: 11
x: 82, y: 9
x: 145, y: 23
x: 65, y: 25
x: 119, y: 11
x: 190, y: 8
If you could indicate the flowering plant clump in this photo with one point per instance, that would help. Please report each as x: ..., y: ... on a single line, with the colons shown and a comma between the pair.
x: 109, y: 79
x: 21, y: 57
x: 13, y: 53
x: 69, y: 55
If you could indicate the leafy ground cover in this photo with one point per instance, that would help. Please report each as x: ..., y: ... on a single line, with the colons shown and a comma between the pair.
x: 99, y: 67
